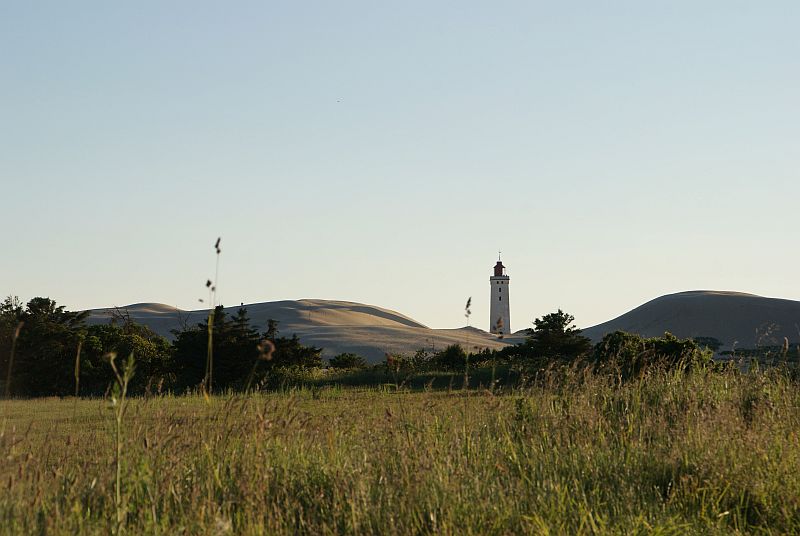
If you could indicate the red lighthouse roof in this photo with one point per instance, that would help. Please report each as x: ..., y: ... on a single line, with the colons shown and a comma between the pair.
x: 499, y: 269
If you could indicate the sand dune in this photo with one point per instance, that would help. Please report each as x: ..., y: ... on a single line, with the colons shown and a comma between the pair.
x: 335, y: 326
x: 732, y: 317
x: 370, y: 331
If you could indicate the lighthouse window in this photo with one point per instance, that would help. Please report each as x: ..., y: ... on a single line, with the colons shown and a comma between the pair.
x: 499, y: 289
x: 499, y: 298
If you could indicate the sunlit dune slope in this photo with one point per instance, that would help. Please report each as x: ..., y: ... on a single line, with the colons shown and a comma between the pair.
x: 335, y: 326
x: 732, y: 317
x: 745, y: 320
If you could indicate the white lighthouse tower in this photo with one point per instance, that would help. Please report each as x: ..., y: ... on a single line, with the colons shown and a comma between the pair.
x: 499, y: 319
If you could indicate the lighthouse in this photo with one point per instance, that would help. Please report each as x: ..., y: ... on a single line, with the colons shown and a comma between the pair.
x: 499, y: 320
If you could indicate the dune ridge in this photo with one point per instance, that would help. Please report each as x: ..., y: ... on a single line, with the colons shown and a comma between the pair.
x: 735, y: 318
x: 335, y: 326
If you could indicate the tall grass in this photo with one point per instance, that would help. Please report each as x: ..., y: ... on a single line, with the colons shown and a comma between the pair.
x: 671, y: 453
x: 467, y: 313
x: 77, y: 369
x: 14, y: 338
x: 208, y: 379
x: 119, y: 404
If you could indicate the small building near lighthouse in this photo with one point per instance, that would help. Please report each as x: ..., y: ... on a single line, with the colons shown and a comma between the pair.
x: 499, y: 318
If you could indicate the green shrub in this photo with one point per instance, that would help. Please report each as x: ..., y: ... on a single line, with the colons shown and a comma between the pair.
x: 631, y: 354
x: 451, y: 358
x: 347, y: 360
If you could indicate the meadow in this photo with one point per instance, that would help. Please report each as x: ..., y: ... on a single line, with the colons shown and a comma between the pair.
x: 571, y: 453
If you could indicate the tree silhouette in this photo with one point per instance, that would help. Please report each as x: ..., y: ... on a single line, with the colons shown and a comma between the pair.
x: 555, y: 336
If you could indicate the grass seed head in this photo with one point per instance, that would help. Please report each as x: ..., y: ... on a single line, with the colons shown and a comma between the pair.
x: 265, y: 350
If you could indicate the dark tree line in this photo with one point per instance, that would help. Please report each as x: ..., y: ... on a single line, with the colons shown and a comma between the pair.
x: 238, y: 358
x: 556, y: 341
x: 554, y: 338
x: 55, y: 352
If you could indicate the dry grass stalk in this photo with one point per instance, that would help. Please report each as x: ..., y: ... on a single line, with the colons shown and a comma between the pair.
x: 14, y: 338
x: 265, y: 350
x: 77, y: 371
x: 120, y: 404
x: 208, y: 380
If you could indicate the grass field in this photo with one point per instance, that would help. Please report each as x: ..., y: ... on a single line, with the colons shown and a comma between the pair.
x: 709, y: 453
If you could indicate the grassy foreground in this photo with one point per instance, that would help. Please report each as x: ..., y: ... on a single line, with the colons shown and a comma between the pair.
x: 707, y: 453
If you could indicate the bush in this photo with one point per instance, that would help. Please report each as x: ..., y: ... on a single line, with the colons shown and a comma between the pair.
x: 451, y: 358
x: 347, y: 361
x: 632, y: 354
x: 283, y: 377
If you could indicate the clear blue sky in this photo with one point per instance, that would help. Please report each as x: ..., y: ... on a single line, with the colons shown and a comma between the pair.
x: 383, y: 152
